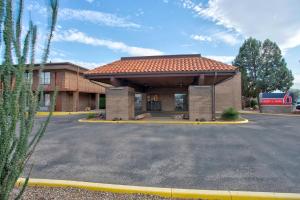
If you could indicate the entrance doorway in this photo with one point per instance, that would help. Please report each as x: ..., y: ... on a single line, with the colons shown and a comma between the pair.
x: 153, y: 102
x: 181, y: 102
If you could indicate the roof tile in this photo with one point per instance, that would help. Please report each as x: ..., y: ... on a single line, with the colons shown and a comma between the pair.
x: 153, y: 64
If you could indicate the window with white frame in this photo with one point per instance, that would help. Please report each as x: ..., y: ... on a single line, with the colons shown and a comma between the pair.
x: 28, y: 77
x: 45, y: 78
x: 47, y: 99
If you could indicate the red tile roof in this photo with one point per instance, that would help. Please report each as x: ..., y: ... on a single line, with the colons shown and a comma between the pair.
x: 168, y: 64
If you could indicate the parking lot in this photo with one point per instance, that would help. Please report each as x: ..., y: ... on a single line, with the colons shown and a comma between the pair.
x: 263, y: 155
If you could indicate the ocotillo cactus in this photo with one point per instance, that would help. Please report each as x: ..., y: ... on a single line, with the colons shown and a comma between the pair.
x: 18, y: 101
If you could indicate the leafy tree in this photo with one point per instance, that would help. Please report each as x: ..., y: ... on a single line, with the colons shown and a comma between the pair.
x: 18, y: 102
x: 263, y: 68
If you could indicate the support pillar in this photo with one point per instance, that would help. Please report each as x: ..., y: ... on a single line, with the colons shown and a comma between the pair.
x: 75, y: 101
x: 200, y: 103
x: 120, y: 103
x: 97, y: 101
x: 144, y: 102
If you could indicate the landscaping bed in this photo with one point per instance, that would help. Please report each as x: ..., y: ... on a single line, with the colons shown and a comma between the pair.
x: 45, y: 193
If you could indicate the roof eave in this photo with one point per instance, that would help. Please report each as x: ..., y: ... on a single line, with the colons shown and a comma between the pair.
x: 158, y: 74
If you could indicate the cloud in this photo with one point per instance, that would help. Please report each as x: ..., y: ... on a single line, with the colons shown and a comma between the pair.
x: 224, y: 59
x: 95, y: 17
x: 90, y: 1
x: 80, y: 37
x: 201, y: 38
x: 277, y: 20
x: 88, y: 65
x: 218, y: 37
x: 296, y: 81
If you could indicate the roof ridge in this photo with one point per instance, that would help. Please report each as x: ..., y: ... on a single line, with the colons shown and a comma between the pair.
x: 161, y: 56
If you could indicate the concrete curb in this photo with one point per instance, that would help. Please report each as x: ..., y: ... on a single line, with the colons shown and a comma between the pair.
x: 244, y: 121
x: 45, y: 114
x: 163, y: 192
x: 270, y: 114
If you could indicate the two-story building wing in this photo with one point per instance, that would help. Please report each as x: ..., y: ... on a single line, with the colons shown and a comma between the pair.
x: 75, y: 93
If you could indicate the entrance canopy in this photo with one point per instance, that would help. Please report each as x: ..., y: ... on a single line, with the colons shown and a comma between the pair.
x: 173, y: 71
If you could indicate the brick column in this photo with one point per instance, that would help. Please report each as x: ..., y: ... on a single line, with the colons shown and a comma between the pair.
x: 97, y: 98
x: 75, y: 101
x: 144, y: 102
x: 120, y: 103
x: 200, y: 103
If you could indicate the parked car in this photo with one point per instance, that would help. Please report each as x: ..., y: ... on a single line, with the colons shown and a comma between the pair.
x: 298, y: 105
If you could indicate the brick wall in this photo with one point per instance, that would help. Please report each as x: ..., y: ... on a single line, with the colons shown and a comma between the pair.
x: 200, y: 103
x: 229, y: 94
x: 120, y: 103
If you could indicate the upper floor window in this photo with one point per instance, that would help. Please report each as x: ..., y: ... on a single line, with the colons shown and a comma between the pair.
x: 45, y: 78
x: 28, y: 76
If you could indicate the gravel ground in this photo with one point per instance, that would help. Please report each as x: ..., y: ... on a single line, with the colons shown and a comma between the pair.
x: 44, y: 193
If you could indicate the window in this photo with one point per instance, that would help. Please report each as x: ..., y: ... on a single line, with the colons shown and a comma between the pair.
x: 28, y: 77
x: 45, y: 78
x: 47, y: 99
x: 181, y: 102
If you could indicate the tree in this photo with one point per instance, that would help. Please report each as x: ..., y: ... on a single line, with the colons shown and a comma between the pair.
x: 18, y: 102
x: 248, y: 62
x: 263, y: 68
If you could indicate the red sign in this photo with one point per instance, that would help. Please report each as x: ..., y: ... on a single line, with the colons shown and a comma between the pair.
x: 272, y: 102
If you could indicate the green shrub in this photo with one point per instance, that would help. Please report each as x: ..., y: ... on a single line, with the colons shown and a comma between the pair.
x: 253, y: 103
x: 230, y: 114
x: 91, y: 116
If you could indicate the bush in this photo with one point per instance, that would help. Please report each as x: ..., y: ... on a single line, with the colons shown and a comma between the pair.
x: 91, y: 116
x: 230, y: 114
x: 253, y: 103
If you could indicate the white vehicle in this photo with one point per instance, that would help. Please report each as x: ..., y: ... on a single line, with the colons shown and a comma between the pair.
x: 298, y: 104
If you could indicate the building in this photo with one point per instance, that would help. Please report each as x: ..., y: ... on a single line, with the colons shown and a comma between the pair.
x: 276, y: 102
x: 75, y: 93
x: 190, y: 83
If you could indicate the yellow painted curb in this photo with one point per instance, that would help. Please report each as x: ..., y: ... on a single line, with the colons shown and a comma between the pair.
x: 44, y: 114
x: 244, y: 121
x: 163, y: 192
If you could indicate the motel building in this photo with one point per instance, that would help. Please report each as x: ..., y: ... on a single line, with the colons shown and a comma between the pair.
x: 162, y: 85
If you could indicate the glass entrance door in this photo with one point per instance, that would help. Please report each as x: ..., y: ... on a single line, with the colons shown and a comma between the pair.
x: 153, y: 102
x: 181, y: 102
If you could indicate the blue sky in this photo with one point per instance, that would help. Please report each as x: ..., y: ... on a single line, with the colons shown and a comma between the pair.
x: 94, y: 32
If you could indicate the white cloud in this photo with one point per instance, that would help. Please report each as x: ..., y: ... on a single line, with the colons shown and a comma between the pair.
x: 225, y: 37
x: 277, y: 20
x: 297, y: 81
x: 88, y: 65
x: 96, y: 17
x: 201, y: 38
x: 224, y: 59
x: 80, y: 37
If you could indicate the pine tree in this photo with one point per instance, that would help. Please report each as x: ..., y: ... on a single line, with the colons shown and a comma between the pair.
x: 263, y: 68
x: 18, y: 102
